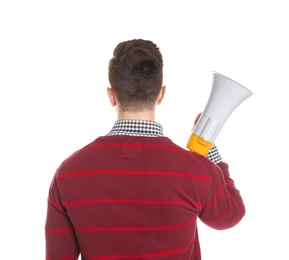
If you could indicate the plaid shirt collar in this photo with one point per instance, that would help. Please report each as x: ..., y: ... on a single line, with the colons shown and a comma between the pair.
x: 137, y: 128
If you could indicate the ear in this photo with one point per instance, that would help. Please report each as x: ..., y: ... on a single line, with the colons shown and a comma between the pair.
x: 111, y: 96
x: 161, y: 95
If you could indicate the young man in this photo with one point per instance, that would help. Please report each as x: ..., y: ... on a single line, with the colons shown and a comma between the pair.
x: 133, y: 193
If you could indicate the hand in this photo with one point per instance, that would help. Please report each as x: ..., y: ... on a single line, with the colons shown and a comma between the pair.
x: 197, y: 119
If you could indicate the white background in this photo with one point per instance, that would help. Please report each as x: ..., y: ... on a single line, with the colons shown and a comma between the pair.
x: 53, y: 78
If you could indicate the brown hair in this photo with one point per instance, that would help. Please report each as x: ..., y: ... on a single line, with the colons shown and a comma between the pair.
x: 136, y: 74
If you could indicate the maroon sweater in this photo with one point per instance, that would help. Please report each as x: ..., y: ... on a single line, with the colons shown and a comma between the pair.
x: 130, y: 197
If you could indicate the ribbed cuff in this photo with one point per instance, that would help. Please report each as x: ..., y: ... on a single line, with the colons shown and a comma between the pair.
x: 214, y: 155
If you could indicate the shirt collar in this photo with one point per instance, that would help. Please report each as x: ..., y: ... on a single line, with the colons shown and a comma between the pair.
x: 137, y: 128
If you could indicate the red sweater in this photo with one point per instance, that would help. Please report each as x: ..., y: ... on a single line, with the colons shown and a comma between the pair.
x: 130, y: 197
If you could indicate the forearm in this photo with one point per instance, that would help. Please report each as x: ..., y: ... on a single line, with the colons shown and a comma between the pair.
x: 225, y: 206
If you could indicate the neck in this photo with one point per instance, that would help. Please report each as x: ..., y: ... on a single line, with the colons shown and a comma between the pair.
x: 144, y: 115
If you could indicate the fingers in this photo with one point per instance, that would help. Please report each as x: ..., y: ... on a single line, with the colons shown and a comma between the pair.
x: 197, y: 118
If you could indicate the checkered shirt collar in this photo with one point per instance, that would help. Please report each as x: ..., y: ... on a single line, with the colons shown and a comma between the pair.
x: 137, y: 128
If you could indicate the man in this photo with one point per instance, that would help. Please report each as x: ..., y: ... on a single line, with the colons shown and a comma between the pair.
x: 133, y: 193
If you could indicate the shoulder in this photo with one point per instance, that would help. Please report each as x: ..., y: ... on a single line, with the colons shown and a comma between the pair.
x: 75, y: 158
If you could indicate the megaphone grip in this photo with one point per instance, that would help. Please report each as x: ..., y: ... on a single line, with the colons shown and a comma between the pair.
x: 199, y: 145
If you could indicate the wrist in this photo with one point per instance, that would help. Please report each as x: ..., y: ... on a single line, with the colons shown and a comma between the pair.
x: 214, y: 155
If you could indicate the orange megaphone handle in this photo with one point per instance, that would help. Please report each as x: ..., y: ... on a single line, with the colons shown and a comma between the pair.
x: 199, y: 145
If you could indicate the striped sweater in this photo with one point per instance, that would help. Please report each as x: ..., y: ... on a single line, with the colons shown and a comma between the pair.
x: 134, y: 197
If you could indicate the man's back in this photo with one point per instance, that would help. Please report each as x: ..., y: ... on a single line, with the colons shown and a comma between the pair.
x: 126, y: 197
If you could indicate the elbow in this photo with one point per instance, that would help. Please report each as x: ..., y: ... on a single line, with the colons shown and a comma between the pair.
x: 228, y: 220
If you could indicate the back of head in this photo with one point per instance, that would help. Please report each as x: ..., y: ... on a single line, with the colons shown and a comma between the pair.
x: 136, y: 74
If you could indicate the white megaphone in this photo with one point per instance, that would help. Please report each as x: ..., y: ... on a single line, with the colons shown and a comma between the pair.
x: 225, y: 96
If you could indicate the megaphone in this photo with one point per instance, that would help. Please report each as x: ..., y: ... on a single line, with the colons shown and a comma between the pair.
x: 226, y: 95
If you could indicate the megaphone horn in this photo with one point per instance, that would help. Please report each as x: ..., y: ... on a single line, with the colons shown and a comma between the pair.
x: 226, y: 95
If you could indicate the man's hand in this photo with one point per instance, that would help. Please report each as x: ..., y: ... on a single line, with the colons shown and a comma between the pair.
x: 197, y: 119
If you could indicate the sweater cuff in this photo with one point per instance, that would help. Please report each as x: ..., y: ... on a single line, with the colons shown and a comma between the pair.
x: 214, y: 155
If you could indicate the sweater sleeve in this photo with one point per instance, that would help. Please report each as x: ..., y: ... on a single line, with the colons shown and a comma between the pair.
x: 60, y: 241
x: 225, y: 207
